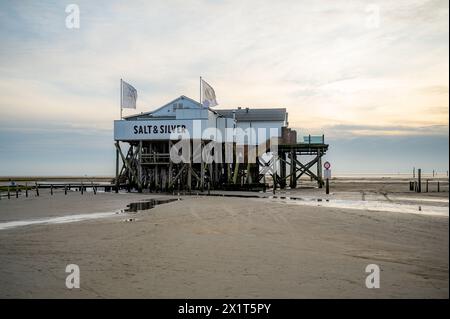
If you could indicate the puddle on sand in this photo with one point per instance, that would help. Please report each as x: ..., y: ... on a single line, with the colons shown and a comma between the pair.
x: 131, y: 208
x: 367, y: 205
x: 147, y: 204
x: 55, y: 220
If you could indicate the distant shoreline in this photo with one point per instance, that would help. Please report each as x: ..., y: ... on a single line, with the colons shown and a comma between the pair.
x: 55, y: 178
x: 110, y: 178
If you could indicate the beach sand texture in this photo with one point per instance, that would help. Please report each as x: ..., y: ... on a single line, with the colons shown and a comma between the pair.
x: 225, y: 247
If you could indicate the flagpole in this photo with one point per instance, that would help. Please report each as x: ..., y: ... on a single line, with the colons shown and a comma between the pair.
x: 121, y: 90
x: 201, y: 91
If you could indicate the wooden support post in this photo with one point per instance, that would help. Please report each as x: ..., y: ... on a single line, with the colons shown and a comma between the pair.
x: 419, y: 181
x: 157, y: 178
x: 274, y: 178
x: 426, y: 187
x: 26, y: 189
x: 211, y: 174
x: 161, y: 178
x: 82, y: 188
x: 248, y: 178
x: 319, y: 169
x: 139, y: 175
x: 37, y: 189
x: 117, y: 169
x: 282, y: 170
x: 202, y: 168
x: 438, y: 187
x: 236, y: 172
x: 170, y: 168
x: 189, y: 177
x: 132, y: 173
x: 274, y: 172
x: 65, y: 189
x: 216, y: 174
x: 293, y: 180
x: 9, y: 194
x: 51, y: 189
x: 236, y: 164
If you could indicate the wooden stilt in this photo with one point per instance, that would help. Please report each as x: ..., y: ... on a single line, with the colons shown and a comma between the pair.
x: 293, y: 180
x: 319, y: 169
x: 282, y: 162
x: 117, y: 169
x: 170, y: 186
x: 139, y: 175
x: 419, y: 181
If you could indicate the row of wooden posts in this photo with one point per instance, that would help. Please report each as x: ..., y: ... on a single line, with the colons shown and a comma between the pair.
x: 82, y: 187
x: 416, y: 185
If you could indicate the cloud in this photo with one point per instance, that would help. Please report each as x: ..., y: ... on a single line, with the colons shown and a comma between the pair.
x: 316, y: 58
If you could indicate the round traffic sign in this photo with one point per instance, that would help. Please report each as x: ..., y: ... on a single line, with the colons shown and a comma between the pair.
x: 327, y: 165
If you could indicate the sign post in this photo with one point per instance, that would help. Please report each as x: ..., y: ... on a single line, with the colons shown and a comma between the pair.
x: 327, y: 176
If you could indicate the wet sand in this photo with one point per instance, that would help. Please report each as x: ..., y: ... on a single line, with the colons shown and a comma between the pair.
x: 225, y: 247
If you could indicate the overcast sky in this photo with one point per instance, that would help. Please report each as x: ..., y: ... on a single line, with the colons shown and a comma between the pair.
x: 371, y: 75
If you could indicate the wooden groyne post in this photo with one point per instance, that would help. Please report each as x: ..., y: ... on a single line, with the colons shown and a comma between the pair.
x: 419, y: 180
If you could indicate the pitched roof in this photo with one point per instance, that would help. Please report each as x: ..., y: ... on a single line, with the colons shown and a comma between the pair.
x: 148, y: 114
x: 247, y: 114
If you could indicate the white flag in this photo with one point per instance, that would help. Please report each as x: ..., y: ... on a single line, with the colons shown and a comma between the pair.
x: 208, y: 95
x: 129, y: 96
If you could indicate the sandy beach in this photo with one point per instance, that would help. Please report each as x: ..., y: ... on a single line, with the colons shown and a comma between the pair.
x: 297, y: 244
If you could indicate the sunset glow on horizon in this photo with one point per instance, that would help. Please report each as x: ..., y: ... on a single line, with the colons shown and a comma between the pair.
x: 340, y: 68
